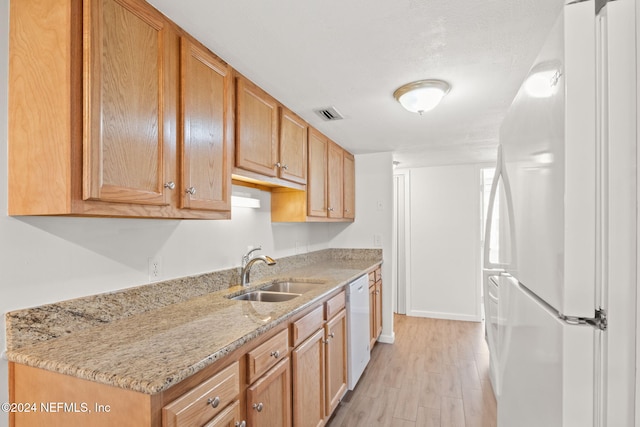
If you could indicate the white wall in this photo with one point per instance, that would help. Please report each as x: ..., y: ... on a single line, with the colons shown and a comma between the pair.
x: 43, y: 260
x: 444, y: 242
x: 374, y: 213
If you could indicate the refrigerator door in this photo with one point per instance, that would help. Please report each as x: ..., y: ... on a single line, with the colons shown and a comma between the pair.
x: 548, y: 141
x: 547, y: 366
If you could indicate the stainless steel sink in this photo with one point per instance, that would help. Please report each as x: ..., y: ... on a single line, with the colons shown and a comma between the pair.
x: 290, y: 286
x: 263, y: 296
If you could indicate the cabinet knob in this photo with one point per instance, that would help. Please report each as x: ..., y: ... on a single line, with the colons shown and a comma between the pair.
x: 214, y: 402
x: 170, y: 185
x: 346, y: 210
x: 275, y: 354
x: 331, y: 335
x: 285, y: 167
x: 191, y: 190
x: 325, y: 341
x: 241, y: 423
x: 278, y: 165
x: 258, y: 406
x: 330, y: 209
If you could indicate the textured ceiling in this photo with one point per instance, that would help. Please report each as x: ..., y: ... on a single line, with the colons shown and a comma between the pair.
x: 353, y: 54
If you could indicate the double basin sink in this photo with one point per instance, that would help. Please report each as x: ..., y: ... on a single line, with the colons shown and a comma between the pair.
x: 278, y: 291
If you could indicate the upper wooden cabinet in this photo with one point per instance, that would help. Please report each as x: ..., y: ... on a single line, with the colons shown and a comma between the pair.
x: 293, y: 147
x: 271, y: 141
x: 124, y: 68
x: 318, y: 173
x: 93, y: 128
x: 207, y: 127
x: 335, y: 181
x: 256, y: 129
x: 330, y: 193
x: 349, y: 188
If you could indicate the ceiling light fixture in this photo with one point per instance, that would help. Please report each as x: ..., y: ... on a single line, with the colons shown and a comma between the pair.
x: 422, y: 95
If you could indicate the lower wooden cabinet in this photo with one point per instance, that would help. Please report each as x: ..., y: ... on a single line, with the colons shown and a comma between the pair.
x: 205, y: 401
x: 336, y: 361
x: 308, y: 364
x: 230, y: 417
x: 375, y: 306
x: 269, y: 399
x: 262, y: 384
x: 320, y: 368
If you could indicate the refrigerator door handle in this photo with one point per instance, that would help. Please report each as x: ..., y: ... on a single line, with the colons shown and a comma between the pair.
x: 500, y: 173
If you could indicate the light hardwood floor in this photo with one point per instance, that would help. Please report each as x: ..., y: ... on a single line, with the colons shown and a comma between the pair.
x: 435, y: 375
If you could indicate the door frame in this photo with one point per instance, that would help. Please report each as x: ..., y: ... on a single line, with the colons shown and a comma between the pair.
x: 401, y: 241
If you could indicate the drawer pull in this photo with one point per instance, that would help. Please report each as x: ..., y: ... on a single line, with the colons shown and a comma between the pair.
x: 258, y: 406
x: 214, y: 402
x: 275, y: 354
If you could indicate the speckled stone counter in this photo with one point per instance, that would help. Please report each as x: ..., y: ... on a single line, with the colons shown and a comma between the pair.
x: 149, y: 338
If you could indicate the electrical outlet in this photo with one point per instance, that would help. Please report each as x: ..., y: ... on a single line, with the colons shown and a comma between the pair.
x: 155, y: 269
x: 377, y: 240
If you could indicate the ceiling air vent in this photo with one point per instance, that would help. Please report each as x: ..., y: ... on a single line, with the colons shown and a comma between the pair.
x: 329, y: 114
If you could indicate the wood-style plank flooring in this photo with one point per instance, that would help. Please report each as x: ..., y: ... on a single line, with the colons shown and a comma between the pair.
x: 436, y: 374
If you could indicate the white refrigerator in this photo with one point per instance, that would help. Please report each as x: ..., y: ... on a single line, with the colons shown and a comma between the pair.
x: 560, y: 236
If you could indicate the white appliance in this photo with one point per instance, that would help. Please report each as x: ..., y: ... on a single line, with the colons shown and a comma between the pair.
x: 560, y: 236
x: 358, y: 351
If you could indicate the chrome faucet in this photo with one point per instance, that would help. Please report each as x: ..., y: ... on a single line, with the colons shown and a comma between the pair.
x: 247, y: 263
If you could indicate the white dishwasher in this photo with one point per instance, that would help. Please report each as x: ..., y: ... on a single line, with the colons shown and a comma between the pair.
x: 358, y: 328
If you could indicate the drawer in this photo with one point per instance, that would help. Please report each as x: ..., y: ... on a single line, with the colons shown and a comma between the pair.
x: 204, y: 402
x: 267, y: 354
x: 302, y: 328
x: 228, y: 417
x: 334, y: 305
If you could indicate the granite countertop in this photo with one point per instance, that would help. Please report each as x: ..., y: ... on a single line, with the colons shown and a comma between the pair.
x: 153, y: 348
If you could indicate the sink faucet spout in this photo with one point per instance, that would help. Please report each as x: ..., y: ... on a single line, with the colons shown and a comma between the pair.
x: 246, y: 266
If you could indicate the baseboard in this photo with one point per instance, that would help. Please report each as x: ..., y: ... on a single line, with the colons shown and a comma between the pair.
x: 446, y: 316
x: 387, y: 339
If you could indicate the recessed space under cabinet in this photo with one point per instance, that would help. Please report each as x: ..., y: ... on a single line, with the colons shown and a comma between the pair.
x: 93, y: 129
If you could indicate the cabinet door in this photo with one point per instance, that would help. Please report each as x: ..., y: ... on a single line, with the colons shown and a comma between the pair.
x: 336, y: 361
x: 206, y: 125
x: 293, y: 147
x: 309, y: 381
x: 317, y: 184
x: 256, y: 129
x: 269, y: 399
x: 372, y: 316
x: 335, y: 181
x: 378, y: 324
x: 124, y: 68
x: 349, y: 185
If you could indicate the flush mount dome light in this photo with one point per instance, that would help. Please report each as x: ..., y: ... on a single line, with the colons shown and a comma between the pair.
x: 422, y: 95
